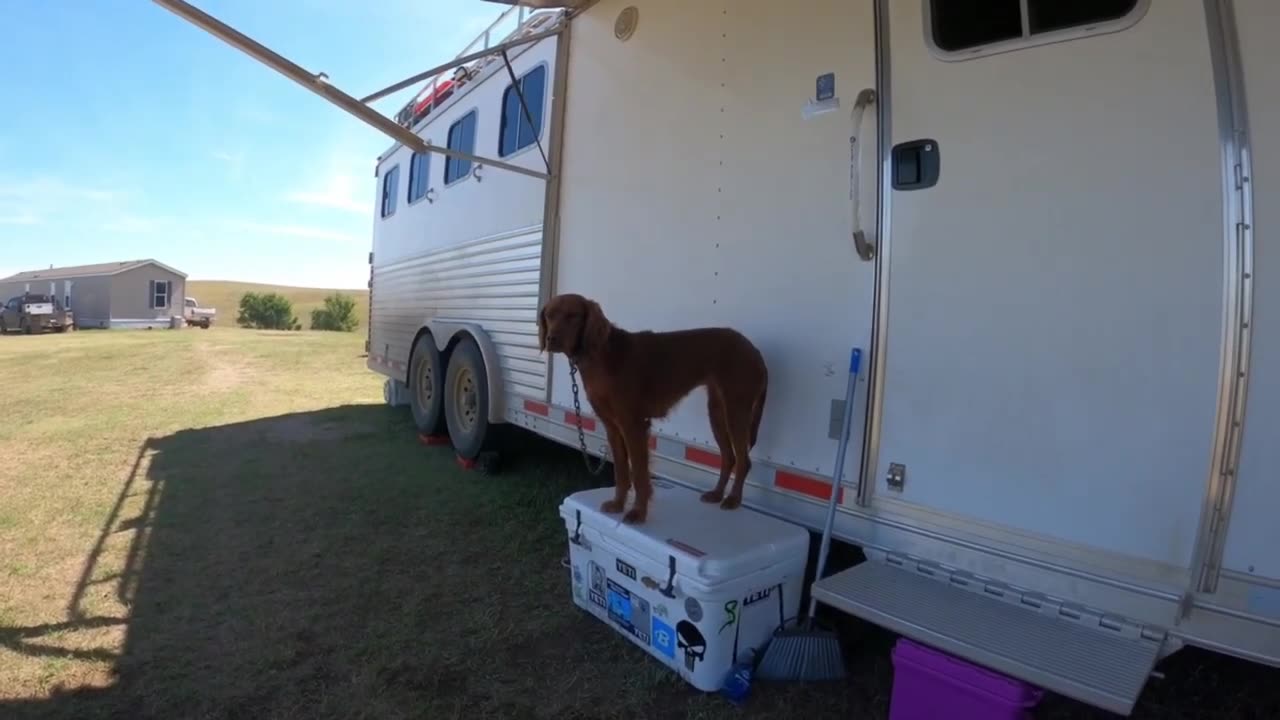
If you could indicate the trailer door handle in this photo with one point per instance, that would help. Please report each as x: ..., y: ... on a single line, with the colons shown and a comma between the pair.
x: 915, y: 165
x: 865, y: 250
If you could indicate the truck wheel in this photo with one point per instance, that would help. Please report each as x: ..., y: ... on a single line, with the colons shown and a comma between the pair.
x: 204, y: 323
x: 426, y: 387
x: 466, y: 399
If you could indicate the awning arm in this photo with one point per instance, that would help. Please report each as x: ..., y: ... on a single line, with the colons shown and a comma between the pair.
x: 460, y: 60
x: 318, y: 83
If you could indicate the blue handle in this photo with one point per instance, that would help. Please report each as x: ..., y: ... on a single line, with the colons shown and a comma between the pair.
x: 855, y: 361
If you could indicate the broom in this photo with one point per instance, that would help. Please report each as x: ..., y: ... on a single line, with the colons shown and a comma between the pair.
x: 805, y: 653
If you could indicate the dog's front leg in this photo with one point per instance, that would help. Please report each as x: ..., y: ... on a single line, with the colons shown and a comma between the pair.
x: 637, y: 439
x: 621, y: 468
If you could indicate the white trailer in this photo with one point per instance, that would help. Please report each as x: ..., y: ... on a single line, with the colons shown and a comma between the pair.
x: 1044, y: 222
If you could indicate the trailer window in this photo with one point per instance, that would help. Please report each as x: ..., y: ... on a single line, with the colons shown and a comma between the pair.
x: 517, y: 132
x: 389, y: 182
x: 419, y: 174
x: 462, y: 137
x: 971, y: 26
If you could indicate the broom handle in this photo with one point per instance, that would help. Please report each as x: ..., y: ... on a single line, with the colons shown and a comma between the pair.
x: 855, y: 363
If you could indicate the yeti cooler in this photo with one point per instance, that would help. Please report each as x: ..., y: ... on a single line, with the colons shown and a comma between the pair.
x: 697, y: 587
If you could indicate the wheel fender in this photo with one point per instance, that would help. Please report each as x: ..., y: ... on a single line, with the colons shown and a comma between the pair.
x: 446, y: 332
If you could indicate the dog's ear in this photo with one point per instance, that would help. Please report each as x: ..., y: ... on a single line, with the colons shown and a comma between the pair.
x: 595, y: 332
x: 542, y: 329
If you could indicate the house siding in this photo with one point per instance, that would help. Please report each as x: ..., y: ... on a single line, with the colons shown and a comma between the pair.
x: 130, y: 295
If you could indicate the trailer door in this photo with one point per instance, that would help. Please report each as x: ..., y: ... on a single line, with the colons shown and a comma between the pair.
x: 1055, y: 274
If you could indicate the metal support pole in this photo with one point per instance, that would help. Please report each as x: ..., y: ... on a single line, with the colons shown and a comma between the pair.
x: 318, y: 83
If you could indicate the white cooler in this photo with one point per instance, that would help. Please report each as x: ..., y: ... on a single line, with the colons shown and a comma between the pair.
x: 697, y: 587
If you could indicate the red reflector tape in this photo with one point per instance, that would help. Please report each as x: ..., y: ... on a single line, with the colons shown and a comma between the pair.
x: 702, y: 457
x: 588, y: 424
x: 805, y: 485
x: 537, y: 408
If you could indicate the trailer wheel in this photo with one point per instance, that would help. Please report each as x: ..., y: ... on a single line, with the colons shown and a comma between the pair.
x: 426, y: 387
x: 466, y: 399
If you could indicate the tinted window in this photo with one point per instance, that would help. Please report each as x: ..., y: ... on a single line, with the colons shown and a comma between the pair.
x: 462, y: 137
x: 965, y: 24
x: 517, y: 132
x: 419, y: 174
x: 389, y: 182
x: 1047, y: 15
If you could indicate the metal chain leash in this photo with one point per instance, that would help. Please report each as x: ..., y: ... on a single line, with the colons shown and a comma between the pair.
x: 577, y: 411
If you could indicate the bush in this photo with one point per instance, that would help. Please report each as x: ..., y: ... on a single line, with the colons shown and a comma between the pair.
x: 338, y: 313
x: 267, y: 311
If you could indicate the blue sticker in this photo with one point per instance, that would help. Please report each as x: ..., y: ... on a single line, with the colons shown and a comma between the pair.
x: 664, y: 638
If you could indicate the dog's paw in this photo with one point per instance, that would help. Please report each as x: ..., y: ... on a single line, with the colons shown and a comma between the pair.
x: 634, y: 516
x: 611, y: 507
x: 711, y: 496
x: 730, y: 503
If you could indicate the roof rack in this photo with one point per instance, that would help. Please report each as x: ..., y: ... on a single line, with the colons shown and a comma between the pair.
x: 441, y: 88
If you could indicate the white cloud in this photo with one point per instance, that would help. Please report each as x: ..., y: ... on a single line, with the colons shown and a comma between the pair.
x: 339, y: 191
x: 233, y: 160
x: 32, y: 200
x: 298, y: 231
x: 21, y: 217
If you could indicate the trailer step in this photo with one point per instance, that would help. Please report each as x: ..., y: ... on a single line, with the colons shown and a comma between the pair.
x: 1095, y: 666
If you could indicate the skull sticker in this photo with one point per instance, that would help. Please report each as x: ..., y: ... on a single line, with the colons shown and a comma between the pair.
x: 690, y: 640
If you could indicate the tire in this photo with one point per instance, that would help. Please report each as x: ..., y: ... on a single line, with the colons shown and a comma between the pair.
x: 204, y: 323
x: 466, y: 399
x: 426, y: 386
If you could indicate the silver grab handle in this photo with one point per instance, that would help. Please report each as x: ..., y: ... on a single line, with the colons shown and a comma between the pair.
x: 866, y: 250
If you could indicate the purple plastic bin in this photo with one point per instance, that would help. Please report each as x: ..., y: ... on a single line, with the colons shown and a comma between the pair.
x: 929, y: 684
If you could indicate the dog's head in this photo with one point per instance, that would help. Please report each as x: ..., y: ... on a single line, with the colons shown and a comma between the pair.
x: 573, y: 325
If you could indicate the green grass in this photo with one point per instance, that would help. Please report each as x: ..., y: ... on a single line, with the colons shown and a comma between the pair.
x: 225, y: 296
x: 229, y: 523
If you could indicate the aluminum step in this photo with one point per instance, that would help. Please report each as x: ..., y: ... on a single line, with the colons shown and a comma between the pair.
x: 1095, y: 666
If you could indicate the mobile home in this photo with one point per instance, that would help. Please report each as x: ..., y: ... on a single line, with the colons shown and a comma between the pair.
x: 1044, y: 222
x: 127, y: 294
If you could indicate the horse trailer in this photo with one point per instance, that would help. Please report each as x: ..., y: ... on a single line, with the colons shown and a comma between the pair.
x: 1043, y: 221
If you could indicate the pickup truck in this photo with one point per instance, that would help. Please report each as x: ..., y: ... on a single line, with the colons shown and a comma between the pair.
x: 196, y: 315
x: 32, y: 312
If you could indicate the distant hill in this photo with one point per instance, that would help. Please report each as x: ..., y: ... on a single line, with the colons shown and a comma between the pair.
x: 225, y: 296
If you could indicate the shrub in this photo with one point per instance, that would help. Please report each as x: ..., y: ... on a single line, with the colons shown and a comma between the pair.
x: 338, y: 313
x: 267, y: 311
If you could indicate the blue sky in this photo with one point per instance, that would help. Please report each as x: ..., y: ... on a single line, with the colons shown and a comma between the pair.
x: 129, y: 133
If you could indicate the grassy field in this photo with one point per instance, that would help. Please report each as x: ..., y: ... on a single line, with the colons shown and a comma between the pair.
x: 225, y: 296
x: 228, y: 523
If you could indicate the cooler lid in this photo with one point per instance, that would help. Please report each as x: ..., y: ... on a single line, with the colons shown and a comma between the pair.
x: 708, y: 543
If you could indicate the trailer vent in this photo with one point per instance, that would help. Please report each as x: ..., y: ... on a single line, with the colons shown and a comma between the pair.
x: 625, y: 26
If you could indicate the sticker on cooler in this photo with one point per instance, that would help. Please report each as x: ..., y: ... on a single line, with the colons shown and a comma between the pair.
x: 631, y: 613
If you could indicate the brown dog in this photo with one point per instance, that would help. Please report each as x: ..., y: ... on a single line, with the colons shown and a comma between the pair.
x: 633, y: 377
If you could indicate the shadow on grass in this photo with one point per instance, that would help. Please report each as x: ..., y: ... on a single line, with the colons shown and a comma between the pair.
x: 326, y: 565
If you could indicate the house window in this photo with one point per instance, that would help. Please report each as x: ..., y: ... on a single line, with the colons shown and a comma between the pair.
x: 462, y: 137
x: 160, y: 292
x: 390, y: 181
x: 517, y: 132
x: 66, y: 293
x: 419, y: 175
x: 972, y: 25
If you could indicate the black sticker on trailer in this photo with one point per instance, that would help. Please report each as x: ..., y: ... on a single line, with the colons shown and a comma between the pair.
x: 628, y: 612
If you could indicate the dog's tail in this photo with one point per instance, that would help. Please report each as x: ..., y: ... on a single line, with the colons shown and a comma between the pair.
x: 757, y: 412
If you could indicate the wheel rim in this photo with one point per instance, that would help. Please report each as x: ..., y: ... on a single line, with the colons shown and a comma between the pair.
x: 424, y: 384
x: 464, y: 386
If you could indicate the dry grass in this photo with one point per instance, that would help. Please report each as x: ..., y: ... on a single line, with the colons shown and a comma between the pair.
x: 226, y: 523
x: 225, y: 296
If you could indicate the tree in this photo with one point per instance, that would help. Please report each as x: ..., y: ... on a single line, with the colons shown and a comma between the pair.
x: 338, y: 313
x: 267, y: 311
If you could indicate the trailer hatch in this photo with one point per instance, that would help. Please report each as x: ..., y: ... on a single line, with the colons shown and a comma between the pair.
x: 1104, y: 668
